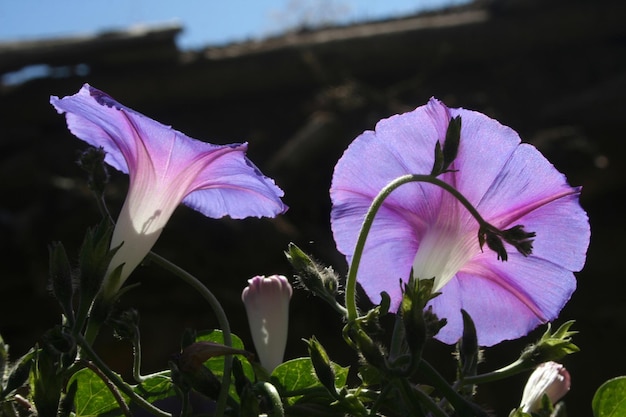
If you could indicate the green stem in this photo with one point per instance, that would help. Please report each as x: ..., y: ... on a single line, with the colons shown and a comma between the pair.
x: 221, y: 319
x: 102, y: 207
x: 137, y: 358
x: 273, y: 397
x: 119, y: 383
x: 91, y: 331
x: 462, y: 406
x: 515, y: 368
x: 369, y: 219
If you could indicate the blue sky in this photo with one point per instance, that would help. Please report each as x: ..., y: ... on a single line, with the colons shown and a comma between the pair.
x: 206, y: 22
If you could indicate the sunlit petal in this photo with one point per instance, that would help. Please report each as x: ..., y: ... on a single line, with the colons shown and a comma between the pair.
x: 423, y: 227
x: 165, y: 167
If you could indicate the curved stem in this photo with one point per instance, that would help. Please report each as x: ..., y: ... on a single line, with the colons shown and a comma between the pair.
x: 221, y: 319
x: 103, y: 209
x: 271, y: 394
x: 369, y: 219
x: 119, y: 383
x: 92, y: 330
x: 515, y: 368
x: 137, y: 358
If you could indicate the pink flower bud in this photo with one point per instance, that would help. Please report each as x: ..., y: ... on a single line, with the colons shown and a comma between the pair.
x: 267, y: 305
x: 549, y: 378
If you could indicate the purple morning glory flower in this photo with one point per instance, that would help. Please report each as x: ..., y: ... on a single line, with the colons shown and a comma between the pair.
x: 165, y: 167
x: 422, y: 227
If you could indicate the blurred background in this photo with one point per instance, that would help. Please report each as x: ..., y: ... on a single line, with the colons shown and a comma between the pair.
x: 299, y: 80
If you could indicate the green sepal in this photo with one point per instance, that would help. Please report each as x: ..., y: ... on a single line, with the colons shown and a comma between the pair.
x: 552, y: 346
x: 411, y: 311
x: 94, y: 259
x: 445, y: 156
x: 494, y: 242
x: 519, y: 413
x: 451, y: 144
x: 420, y: 324
x: 385, y: 303
x: 438, y: 160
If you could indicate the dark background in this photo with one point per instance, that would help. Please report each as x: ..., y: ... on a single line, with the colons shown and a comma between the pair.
x: 554, y: 70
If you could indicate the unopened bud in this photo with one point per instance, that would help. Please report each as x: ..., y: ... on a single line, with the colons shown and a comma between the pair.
x: 321, y: 363
x: 320, y: 280
x: 267, y: 304
x: 550, y: 379
x: 92, y: 161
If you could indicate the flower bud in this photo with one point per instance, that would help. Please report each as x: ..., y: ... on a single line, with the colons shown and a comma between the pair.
x: 321, y: 363
x: 551, y: 346
x: 267, y: 304
x: 92, y: 161
x: 549, y: 378
x: 320, y: 280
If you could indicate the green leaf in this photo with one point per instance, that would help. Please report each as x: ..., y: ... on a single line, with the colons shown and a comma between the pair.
x: 369, y: 375
x: 216, y: 364
x: 298, y: 375
x: 17, y: 376
x: 610, y: 398
x: 93, y: 397
x: 155, y: 387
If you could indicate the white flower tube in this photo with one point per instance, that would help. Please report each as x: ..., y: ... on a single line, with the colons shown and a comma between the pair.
x: 267, y: 305
x: 549, y: 378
